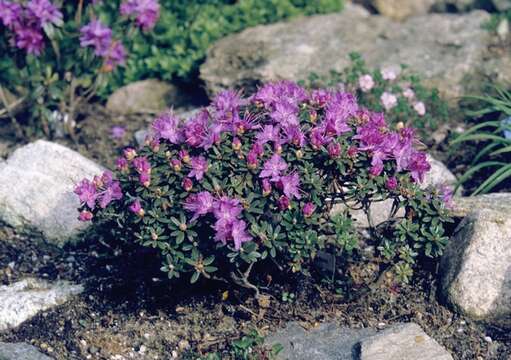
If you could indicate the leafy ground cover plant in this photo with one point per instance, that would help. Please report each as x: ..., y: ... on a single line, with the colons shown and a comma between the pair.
x: 179, y: 42
x: 253, y: 181
x: 495, y: 136
x: 393, y: 90
x: 61, y: 56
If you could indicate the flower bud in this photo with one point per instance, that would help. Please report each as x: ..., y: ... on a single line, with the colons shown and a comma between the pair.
x: 391, y: 183
x: 145, y: 179
x: 313, y: 116
x: 252, y: 160
x: 122, y: 164
x: 187, y: 184
x: 85, y: 215
x: 130, y: 154
x: 154, y: 236
x: 236, y: 144
x: 352, y: 151
x: 266, y: 187
x: 299, y: 154
x: 176, y: 164
x: 155, y: 145
x: 136, y: 208
x: 308, y: 209
x: 277, y: 148
x: 284, y: 203
x: 334, y: 150
x: 182, y: 227
x: 184, y: 156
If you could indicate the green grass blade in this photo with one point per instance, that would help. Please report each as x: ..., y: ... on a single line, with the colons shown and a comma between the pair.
x: 468, y: 174
x: 500, y: 175
x: 484, y: 152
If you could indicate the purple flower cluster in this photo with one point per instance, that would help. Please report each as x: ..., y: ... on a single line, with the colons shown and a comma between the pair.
x: 101, y: 191
x: 227, y: 211
x: 145, y: 12
x: 99, y: 36
x: 27, y: 22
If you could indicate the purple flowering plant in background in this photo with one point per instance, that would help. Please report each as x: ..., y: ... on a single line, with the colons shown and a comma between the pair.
x: 61, y: 55
x: 230, y: 190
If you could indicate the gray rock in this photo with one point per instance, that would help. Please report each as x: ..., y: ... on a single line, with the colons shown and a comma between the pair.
x: 380, y: 211
x: 145, y: 96
x: 327, y: 342
x: 502, y: 5
x: 402, y: 342
x: 24, y: 299
x: 36, y: 189
x: 331, y: 342
x: 476, y: 267
x: 20, y: 351
x: 500, y: 202
x: 449, y: 51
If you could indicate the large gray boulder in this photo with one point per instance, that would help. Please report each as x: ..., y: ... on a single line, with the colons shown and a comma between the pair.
x: 449, y: 51
x: 20, y: 351
x: 476, y: 267
x: 22, y: 300
x: 145, y: 96
x: 331, y: 342
x: 500, y: 202
x: 36, y: 189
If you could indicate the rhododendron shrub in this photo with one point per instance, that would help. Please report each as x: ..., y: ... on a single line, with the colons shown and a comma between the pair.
x: 255, y: 180
x: 61, y: 55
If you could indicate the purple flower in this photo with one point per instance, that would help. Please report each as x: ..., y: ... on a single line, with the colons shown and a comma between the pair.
x: 199, y: 167
x: 136, y: 208
x: 418, y: 166
x: 446, y: 193
x: 142, y: 165
x: 45, y: 12
x: 176, y: 164
x: 146, y: 12
x: 252, y: 160
x: 338, y: 111
x: 200, y: 204
x: 166, y: 126
x: 308, y: 209
x: 290, y: 185
x: 29, y: 39
x: 87, y: 193
x: 232, y: 230
x: 111, y: 192
x: 273, y: 168
x: 285, y: 114
x: 320, y: 97
x: 317, y: 138
x: 145, y: 179
x: 227, y: 104
x: 97, y: 35
x: 295, y: 136
x: 239, y: 233
x: 227, y: 209
x: 115, y: 55
x: 196, y: 128
x: 184, y: 156
x: 85, y: 215
x: 267, y: 134
x: 10, y: 14
x: 391, y: 183
x: 117, y: 132
x: 129, y: 153
x: 121, y: 164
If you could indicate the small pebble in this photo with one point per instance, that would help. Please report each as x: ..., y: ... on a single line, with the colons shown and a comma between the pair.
x: 488, y: 339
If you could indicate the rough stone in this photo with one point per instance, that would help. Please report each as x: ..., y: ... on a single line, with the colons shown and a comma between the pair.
x: 36, y: 189
x: 145, y: 96
x: 331, y: 342
x: 402, y: 342
x: 500, y: 202
x: 20, y: 351
x: 476, y: 267
x: 22, y: 300
x: 326, y: 342
x: 450, y: 51
x: 502, y: 5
